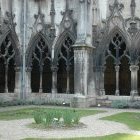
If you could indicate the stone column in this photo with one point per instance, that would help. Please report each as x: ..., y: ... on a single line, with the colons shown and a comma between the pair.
x: 40, y: 86
x: 134, y: 80
x: 68, y: 80
x: 117, y: 92
x: 17, y: 80
x: 81, y: 69
x: 82, y: 50
x: 6, y: 78
x: 54, y: 79
x: 102, y: 89
x: 28, y: 82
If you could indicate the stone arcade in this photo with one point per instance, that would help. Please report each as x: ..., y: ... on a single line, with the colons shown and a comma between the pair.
x: 63, y: 50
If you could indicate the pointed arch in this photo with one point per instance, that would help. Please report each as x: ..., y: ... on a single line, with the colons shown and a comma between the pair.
x: 64, y: 59
x: 104, y: 45
x: 59, y: 41
x: 39, y: 60
x: 15, y: 43
x: 31, y: 46
x: 9, y: 59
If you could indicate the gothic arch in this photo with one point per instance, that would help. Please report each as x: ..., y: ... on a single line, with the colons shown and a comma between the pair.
x: 106, y: 41
x: 39, y: 60
x: 64, y: 60
x: 32, y: 44
x: 9, y: 60
x: 15, y: 43
x: 60, y: 41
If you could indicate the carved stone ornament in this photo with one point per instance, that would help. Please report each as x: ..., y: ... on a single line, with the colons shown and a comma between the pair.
x: 118, y: 6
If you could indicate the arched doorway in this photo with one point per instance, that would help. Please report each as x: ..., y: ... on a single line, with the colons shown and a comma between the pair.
x: 41, y: 75
x: 117, y: 78
x: 7, y: 66
x: 65, y: 74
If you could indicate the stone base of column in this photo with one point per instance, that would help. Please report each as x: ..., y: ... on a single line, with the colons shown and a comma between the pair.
x: 80, y: 101
x: 117, y: 93
x: 54, y: 91
x: 102, y: 92
x: 17, y: 90
x: 134, y: 93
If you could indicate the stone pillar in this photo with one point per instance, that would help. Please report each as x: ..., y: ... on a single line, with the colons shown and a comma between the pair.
x: 117, y: 92
x: 82, y: 50
x: 102, y: 89
x: 54, y: 79
x: 68, y: 80
x: 134, y: 80
x: 28, y: 82
x: 40, y: 86
x: 6, y: 78
x: 17, y: 80
x: 81, y: 69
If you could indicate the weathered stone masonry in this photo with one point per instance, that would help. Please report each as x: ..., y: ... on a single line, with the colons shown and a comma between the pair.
x: 62, y: 50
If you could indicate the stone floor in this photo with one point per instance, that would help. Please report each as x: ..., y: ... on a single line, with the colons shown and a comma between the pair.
x: 17, y: 129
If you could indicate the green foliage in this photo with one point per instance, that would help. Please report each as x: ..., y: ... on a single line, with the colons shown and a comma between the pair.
x: 19, y: 102
x: 48, y: 102
x: 68, y: 118
x: 52, y: 117
x: 135, y: 104
x: 121, y: 104
x: 109, y: 137
x: 38, y: 117
x: 76, y: 118
x: 129, y: 118
x: 30, y: 111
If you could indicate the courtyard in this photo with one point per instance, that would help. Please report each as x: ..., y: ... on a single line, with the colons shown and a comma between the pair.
x: 99, y: 124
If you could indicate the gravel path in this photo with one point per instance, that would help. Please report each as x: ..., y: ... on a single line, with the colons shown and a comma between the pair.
x: 17, y: 129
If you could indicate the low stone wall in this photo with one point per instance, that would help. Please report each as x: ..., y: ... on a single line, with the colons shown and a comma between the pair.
x: 8, y: 96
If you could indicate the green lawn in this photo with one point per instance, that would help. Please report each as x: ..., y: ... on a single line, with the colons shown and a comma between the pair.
x: 110, y: 137
x: 28, y: 113
x: 130, y: 119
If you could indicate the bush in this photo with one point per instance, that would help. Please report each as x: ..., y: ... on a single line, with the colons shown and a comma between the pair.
x: 68, y: 117
x: 54, y: 118
x: 120, y: 104
x: 76, y: 119
x: 135, y: 104
x: 18, y: 102
x: 38, y: 117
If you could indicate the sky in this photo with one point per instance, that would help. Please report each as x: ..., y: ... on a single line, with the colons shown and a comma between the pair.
x: 103, y: 8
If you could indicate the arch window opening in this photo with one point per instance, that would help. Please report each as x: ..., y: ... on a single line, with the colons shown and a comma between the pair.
x: 41, y: 75
x: 117, y: 75
x: 7, y: 66
x: 65, y: 74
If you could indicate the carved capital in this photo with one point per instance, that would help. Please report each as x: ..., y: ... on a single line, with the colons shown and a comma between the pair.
x: 54, y: 68
x: 17, y: 69
x: 117, y: 68
x: 134, y: 68
x: 81, y: 1
x: 28, y: 69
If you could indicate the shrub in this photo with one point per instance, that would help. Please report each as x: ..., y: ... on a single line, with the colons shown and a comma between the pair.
x: 52, y: 118
x: 76, y: 119
x: 68, y: 118
x: 120, y: 104
x: 135, y: 104
x: 38, y: 117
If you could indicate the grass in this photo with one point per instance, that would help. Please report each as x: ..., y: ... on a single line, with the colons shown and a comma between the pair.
x: 132, y: 120
x: 110, y: 137
x: 28, y: 113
